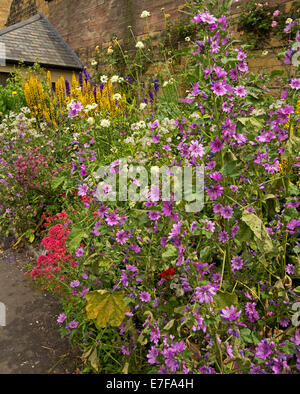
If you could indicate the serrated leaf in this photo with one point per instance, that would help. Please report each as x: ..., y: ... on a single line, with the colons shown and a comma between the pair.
x: 106, y: 308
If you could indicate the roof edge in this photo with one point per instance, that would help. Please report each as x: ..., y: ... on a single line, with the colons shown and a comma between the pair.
x: 20, y: 24
x: 45, y: 65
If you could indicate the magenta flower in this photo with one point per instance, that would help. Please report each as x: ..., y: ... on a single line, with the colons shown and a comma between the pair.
x: 219, y: 88
x: 215, y: 191
x: 175, y: 230
x: 61, y: 318
x: 230, y: 313
x: 295, y: 83
x: 264, y: 349
x: 79, y: 252
x: 122, y: 237
x: 236, y: 263
x: 75, y: 283
x: 152, y: 355
x: 240, y: 91
x: 226, y: 212
x: 196, y: 149
x: 154, y: 215
x: 216, y: 145
x: 112, y: 219
x: 145, y: 296
x: 205, y: 293
x: 73, y: 324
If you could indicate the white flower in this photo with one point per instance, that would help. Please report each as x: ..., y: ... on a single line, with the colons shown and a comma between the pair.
x: 195, y: 115
x: 117, y: 96
x: 187, y: 39
x: 140, y: 45
x: 94, y: 63
x: 145, y: 14
x: 103, y: 79
x: 105, y: 123
x: 121, y: 79
x: 264, y: 53
x: 289, y: 20
x: 143, y: 106
x: 114, y: 78
x: 91, y: 121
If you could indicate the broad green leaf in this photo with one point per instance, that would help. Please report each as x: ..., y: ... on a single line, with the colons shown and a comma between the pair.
x: 258, y: 229
x: 75, y: 237
x: 171, y: 251
x: 223, y: 299
x: 106, y: 308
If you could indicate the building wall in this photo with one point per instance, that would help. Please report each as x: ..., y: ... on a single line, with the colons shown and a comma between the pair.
x: 84, y: 24
x: 4, y: 11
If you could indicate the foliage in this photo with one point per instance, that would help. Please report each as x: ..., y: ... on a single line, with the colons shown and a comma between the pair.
x: 146, y: 285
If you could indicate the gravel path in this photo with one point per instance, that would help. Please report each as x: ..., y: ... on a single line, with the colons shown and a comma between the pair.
x: 30, y: 343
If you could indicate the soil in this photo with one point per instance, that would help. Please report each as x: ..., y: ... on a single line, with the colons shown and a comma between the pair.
x: 30, y: 342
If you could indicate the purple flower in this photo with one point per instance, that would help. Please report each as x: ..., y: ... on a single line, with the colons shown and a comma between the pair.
x: 154, y: 215
x: 230, y: 313
x: 236, y: 263
x: 145, y: 296
x: 61, y: 318
x: 82, y: 190
x: 216, y: 145
x: 284, y: 322
x: 226, y: 212
x: 79, y: 252
x: 112, y: 219
x: 264, y: 349
x: 175, y: 230
x: 152, y: 355
x: 295, y: 83
x: 196, y: 149
x: 205, y: 293
x: 240, y: 91
x: 75, y: 283
x: 251, y: 312
x: 219, y: 88
x: 223, y: 236
x: 215, y: 191
x: 122, y: 237
x: 73, y: 324
x: 290, y: 269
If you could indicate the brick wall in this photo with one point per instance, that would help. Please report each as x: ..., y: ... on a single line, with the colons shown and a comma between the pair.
x: 84, y: 24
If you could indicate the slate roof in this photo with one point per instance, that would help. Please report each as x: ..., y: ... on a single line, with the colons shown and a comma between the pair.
x: 36, y: 40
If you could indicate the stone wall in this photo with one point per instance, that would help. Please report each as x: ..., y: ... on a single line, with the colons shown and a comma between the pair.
x: 4, y: 11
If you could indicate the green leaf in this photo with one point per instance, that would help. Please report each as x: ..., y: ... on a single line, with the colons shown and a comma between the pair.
x: 258, y: 229
x: 56, y: 182
x: 223, y: 299
x: 75, y: 237
x: 171, y: 251
x: 106, y: 308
